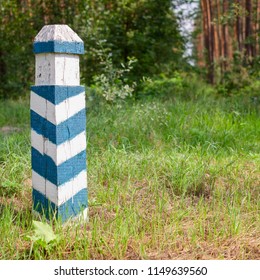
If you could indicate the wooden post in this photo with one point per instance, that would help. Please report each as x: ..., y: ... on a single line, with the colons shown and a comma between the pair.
x: 58, y: 126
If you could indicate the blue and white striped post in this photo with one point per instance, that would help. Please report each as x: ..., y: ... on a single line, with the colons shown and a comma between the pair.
x: 58, y: 126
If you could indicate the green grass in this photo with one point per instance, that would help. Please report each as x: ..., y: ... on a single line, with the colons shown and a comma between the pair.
x: 168, y: 178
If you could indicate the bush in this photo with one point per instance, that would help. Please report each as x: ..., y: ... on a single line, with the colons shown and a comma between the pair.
x: 240, y: 79
x: 181, y: 84
x: 162, y: 86
x: 112, y: 83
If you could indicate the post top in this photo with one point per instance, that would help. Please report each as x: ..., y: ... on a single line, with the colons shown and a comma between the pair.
x: 57, y: 32
x: 58, y: 38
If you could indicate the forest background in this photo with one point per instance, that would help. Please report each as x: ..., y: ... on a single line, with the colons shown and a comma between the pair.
x: 144, y: 34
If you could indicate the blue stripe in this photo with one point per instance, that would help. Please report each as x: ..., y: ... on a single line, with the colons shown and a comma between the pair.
x: 57, y: 94
x: 69, y: 209
x: 58, y: 47
x: 62, y: 132
x: 58, y: 175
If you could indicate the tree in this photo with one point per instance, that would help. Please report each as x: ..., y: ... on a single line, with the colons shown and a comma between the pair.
x: 144, y: 29
x: 230, y: 30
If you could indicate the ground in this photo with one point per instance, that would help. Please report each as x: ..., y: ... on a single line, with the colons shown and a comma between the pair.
x: 174, y: 178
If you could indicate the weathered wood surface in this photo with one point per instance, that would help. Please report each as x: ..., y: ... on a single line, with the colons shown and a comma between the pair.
x: 58, y: 125
x: 57, y: 69
x: 57, y: 32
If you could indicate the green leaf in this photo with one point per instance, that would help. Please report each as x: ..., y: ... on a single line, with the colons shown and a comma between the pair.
x: 43, y: 231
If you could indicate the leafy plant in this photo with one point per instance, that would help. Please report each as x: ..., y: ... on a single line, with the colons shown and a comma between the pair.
x: 43, y: 238
x: 163, y: 86
x: 112, y: 83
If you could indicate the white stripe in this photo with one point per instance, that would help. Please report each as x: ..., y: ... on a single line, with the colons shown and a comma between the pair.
x: 57, y: 114
x: 57, y: 69
x: 81, y: 217
x: 37, y: 142
x: 59, y: 153
x: 61, y: 194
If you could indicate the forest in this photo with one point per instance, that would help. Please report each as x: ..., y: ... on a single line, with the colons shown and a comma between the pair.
x: 173, y: 129
x: 146, y: 34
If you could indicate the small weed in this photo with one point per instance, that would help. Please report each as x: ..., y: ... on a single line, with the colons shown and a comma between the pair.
x: 43, y: 240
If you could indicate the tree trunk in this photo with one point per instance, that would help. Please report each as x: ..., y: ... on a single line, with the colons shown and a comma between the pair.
x: 225, y: 34
x: 210, y: 43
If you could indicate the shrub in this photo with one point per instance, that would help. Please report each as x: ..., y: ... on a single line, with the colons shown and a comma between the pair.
x: 162, y: 86
x: 181, y: 84
x: 112, y: 84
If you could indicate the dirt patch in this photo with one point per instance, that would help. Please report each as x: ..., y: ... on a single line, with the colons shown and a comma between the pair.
x: 9, y: 129
x: 22, y: 200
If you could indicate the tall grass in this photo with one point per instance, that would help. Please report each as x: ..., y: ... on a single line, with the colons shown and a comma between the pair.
x: 168, y: 178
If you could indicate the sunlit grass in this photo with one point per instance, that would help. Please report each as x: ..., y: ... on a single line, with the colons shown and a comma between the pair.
x: 167, y: 179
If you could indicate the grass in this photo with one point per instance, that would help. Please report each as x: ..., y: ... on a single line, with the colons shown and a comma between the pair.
x: 168, y: 178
